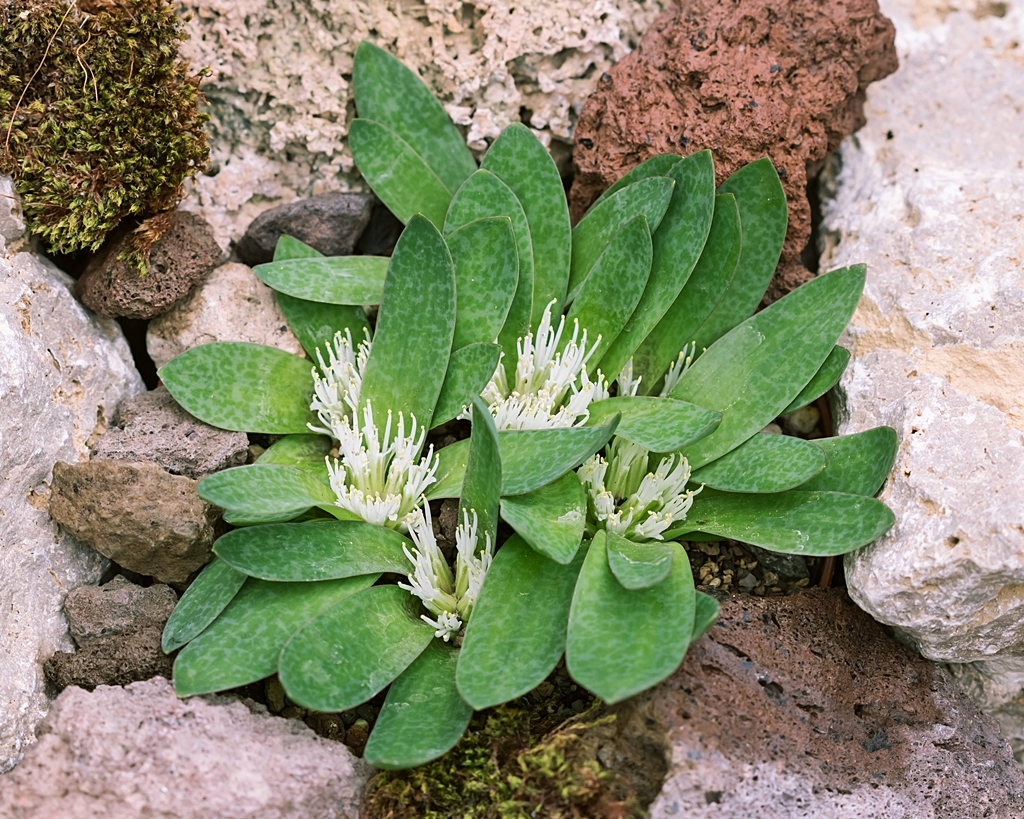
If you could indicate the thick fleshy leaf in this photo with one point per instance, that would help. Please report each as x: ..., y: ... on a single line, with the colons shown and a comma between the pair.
x: 318, y: 550
x: 703, y: 290
x: 705, y: 614
x: 658, y: 165
x: 638, y: 565
x: 288, y: 247
x: 397, y: 174
x: 242, y: 387
x: 857, y: 464
x: 306, y: 452
x: 415, y: 324
x: 243, y: 644
x: 648, y: 198
x: 616, y: 282
x: 334, y: 279
x: 262, y: 493
x: 203, y: 600
x: 753, y: 372
x: 388, y: 92
x: 804, y: 523
x: 351, y: 651
x: 825, y: 379
x: 517, y: 632
x: 763, y: 463
x: 621, y: 641
x: 519, y: 160
x: 423, y: 715
x: 551, y: 519
x: 482, y: 485
x: 762, y: 205
x: 486, y: 275
x: 657, y: 424
x: 469, y: 370
x: 485, y: 195
x: 529, y: 459
x: 678, y: 243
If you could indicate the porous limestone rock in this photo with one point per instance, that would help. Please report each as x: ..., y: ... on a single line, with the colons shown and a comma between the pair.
x: 230, y: 305
x: 280, y: 93
x: 62, y: 374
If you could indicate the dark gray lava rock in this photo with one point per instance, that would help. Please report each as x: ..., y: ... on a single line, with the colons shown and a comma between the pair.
x: 181, y: 257
x: 330, y: 223
x: 152, y: 426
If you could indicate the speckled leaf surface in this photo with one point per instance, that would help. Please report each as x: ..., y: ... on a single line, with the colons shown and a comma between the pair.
x: 486, y: 275
x: 243, y: 644
x: 469, y: 370
x: 242, y: 387
x: 648, y: 198
x: 482, y: 485
x: 551, y: 519
x: 857, y: 464
x: 705, y: 614
x: 306, y: 452
x: 763, y: 217
x: 638, y: 565
x: 334, y: 280
x: 755, y: 370
x: 314, y: 324
x: 621, y: 641
x: 763, y: 463
x: 677, y: 245
x: 388, y: 92
x: 657, y: 424
x: 517, y: 633
x: 825, y: 379
x: 707, y: 284
x: 288, y: 247
x: 798, y: 522
x: 423, y: 715
x: 352, y: 650
x: 418, y: 304
x: 260, y: 493
x: 317, y: 550
x: 616, y: 282
x: 658, y: 165
x: 204, y: 599
x: 519, y: 160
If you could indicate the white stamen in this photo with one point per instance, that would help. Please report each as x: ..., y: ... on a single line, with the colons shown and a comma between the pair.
x: 678, y: 368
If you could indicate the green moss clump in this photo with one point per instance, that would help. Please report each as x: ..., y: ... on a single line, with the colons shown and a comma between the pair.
x: 99, y: 116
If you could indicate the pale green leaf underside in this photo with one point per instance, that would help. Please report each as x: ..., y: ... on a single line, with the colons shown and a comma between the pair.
x: 705, y: 614
x: 202, y: 601
x: 857, y: 464
x: 763, y: 463
x: 262, y: 493
x: 469, y: 370
x: 486, y: 275
x: 333, y: 280
x: 638, y: 565
x: 825, y: 379
x: 657, y: 424
x: 551, y: 519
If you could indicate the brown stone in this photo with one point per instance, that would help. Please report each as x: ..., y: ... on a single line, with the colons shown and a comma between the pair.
x: 97, y: 613
x: 746, y: 79
x: 133, y: 655
x: 178, y: 259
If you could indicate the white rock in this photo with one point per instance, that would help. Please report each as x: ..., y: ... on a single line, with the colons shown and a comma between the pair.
x: 931, y: 196
x: 230, y: 305
x: 62, y: 374
x: 281, y: 99
x: 12, y: 225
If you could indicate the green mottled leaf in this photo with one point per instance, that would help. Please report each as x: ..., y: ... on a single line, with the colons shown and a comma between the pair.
x: 529, y: 459
x: 202, y: 601
x: 418, y: 304
x: 616, y: 282
x: 482, y: 485
x: 306, y: 452
x: 705, y: 614
x: 824, y: 380
x: 318, y: 550
x: 469, y: 370
x: 242, y: 387
x: 486, y: 275
x: 351, y: 651
x: 754, y: 371
x: 243, y: 644
x: 657, y: 424
x: 638, y: 565
x: 288, y: 247
x: 658, y: 165
x: 763, y: 463
x: 805, y: 523
x: 857, y: 464
x: 423, y: 715
x: 621, y: 641
x: 519, y: 160
x: 678, y: 243
x: 397, y: 174
x: 334, y: 280
x: 648, y: 198
x: 762, y: 205
x: 703, y: 290
x: 550, y: 519
x: 388, y: 92
x: 517, y: 633
x: 263, y: 493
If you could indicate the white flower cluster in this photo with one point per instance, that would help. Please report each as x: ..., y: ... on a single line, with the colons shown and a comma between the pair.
x: 625, y: 498
x: 450, y: 599
x: 336, y: 392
